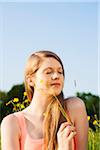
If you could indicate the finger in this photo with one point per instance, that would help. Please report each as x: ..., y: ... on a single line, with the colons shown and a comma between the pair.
x: 71, y: 135
x: 64, y: 125
x: 67, y: 130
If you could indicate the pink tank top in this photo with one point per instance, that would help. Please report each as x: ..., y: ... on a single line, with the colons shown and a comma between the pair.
x: 26, y: 142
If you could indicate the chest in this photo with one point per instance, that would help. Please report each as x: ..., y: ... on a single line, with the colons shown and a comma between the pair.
x: 34, y: 129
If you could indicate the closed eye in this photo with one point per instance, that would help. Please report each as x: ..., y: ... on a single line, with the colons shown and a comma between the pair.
x: 60, y: 72
x: 49, y: 72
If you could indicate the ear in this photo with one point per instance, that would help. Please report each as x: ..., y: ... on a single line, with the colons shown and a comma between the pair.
x: 30, y: 80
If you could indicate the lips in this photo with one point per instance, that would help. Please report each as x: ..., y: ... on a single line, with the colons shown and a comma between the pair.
x: 56, y: 84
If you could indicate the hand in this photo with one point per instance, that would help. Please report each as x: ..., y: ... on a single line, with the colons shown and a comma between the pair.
x: 65, y: 135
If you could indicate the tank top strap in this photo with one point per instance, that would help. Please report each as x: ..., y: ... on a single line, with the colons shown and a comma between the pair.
x: 22, y: 125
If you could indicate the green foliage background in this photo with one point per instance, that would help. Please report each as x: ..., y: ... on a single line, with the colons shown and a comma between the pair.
x: 91, y: 101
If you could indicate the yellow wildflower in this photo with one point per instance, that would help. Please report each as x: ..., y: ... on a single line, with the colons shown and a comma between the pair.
x: 26, y: 101
x: 15, y: 100
x: 95, y: 122
x: 18, y: 104
x: 22, y: 106
x: 88, y: 118
x: 25, y: 94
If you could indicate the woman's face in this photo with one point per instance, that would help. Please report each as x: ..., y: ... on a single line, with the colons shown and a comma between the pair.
x: 49, y: 77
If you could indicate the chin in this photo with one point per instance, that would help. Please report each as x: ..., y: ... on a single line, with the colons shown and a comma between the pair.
x: 55, y: 92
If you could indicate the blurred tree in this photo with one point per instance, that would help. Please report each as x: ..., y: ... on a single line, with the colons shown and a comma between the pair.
x: 16, y: 91
x: 3, y: 95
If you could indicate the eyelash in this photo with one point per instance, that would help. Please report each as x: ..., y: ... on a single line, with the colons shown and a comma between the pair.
x: 60, y: 72
x: 49, y: 72
x: 52, y: 72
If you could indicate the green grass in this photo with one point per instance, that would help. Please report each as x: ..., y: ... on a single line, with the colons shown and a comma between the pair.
x: 94, y: 139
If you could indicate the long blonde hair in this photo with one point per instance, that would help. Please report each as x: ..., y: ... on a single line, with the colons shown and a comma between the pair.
x: 53, y: 115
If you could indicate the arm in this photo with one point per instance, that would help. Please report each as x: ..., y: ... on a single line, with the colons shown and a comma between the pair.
x: 78, y: 114
x: 10, y: 133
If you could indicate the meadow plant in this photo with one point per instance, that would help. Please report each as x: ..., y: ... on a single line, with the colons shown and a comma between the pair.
x: 94, y: 135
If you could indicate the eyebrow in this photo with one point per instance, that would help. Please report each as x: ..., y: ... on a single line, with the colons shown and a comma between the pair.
x: 51, y: 68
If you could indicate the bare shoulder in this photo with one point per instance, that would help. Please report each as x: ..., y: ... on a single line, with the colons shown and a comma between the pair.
x: 9, y: 119
x: 74, y: 103
x: 10, y: 133
x: 10, y: 123
x: 76, y: 107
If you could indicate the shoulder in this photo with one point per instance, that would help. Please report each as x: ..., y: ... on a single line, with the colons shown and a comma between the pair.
x: 10, y: 124
x: 9, y: 119
x: 75, y: 106
x: 74, y: 102
x: 10, y: 133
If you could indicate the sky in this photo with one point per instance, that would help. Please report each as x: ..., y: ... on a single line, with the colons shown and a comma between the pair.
x: 70, y: 29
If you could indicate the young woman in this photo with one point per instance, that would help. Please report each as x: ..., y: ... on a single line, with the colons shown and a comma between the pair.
x: 50, y: 122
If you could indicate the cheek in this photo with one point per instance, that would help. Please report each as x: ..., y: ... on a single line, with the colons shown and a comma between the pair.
x: 62, y: 84
x: 62, y: 80
x: 42, y: 83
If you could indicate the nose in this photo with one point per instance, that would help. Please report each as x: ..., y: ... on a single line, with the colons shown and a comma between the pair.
x: 55, y: 76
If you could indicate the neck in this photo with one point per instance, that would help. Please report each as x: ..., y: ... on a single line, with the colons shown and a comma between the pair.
x: 39, y: 104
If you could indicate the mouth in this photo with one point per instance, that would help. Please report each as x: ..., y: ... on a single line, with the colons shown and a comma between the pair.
x: 55, y: 84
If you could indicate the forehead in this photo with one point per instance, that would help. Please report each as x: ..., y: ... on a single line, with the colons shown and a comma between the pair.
x: 50, y: 62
